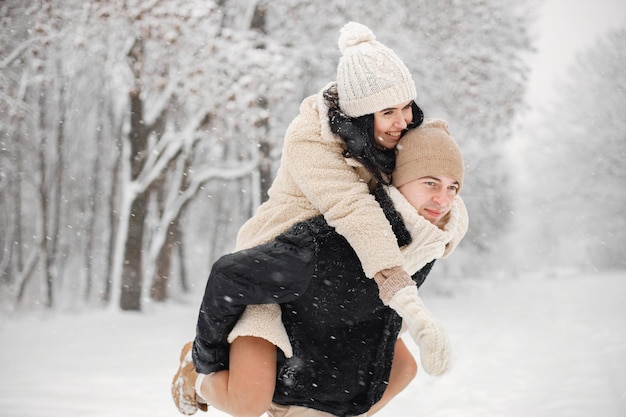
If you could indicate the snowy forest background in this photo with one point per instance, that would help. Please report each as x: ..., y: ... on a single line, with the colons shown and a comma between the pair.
x: 137, y: 136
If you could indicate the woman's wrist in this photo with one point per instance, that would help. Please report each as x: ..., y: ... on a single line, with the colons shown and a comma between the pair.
x: 391, y: 280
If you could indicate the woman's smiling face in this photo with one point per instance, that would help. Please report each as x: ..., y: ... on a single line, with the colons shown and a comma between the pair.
x: 389, y: 124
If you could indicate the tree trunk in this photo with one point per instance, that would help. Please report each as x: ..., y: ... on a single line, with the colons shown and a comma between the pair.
x: 26, y: 275
x: 114, y: 218
x: 44, y: 201
x: 132, y: 272
x: 90, y: 224
x: 160, y: 282
x: 57, y: 255
x: 182, y: 271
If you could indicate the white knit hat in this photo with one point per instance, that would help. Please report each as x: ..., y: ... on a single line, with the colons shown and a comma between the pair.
x: 370, y: 76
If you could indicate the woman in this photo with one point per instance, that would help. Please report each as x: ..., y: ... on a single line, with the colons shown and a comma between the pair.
x: 336, y: 150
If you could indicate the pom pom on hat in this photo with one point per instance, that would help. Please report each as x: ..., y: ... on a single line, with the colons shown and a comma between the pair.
x: 353, y: 34
x: 428, y: 150
x: 370, y: 76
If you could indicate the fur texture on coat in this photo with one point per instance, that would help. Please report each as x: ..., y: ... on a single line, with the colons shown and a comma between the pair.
x: 315, y: 178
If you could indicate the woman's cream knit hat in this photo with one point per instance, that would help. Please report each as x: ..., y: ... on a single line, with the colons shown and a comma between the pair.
x: 370, y: 76
x: 428, y: 150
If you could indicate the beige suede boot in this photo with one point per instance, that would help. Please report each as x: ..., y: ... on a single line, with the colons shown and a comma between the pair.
x: 184, y: 384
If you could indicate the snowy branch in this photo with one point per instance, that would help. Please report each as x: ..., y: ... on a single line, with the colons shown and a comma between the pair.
x: 160, y: 106
x: 168, y: 148
x: 15, y: 54
x: 175, y: 205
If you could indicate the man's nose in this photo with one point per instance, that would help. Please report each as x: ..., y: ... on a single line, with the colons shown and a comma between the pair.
x: 441, y: 197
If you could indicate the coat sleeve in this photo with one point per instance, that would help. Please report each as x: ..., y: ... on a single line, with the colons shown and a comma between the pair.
x: 276, y: 272
x: 314, y: 158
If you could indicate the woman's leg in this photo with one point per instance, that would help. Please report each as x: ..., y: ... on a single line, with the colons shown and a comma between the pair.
x: 247, y: 388
x: 403, y: 370
x: 276, y: 272
x: 273, y: 273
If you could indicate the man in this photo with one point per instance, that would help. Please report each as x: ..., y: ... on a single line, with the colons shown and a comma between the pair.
x: 343, y: 338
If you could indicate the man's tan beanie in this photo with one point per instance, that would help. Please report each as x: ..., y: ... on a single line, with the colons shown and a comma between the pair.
x: 428, y: 150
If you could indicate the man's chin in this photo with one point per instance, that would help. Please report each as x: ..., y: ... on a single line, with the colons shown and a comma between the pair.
x: 433, y: 220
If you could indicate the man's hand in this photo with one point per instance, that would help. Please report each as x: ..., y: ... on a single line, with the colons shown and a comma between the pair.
x: 434, y: 345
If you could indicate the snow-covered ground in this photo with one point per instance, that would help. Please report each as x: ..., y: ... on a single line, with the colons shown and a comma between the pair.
x: 553, y: 347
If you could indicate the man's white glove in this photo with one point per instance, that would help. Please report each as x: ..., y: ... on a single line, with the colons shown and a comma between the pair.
x: 431, y: 338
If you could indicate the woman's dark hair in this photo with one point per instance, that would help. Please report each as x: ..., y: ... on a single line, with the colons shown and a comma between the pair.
x: 358, y: 134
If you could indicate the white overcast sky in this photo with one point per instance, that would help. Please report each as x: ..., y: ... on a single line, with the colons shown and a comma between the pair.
x: 564, y: 28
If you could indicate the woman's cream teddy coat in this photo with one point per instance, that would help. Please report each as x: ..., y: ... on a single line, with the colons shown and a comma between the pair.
x: 314, y: 178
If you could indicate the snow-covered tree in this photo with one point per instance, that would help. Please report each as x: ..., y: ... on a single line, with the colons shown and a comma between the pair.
x: 37, y: 105
x: 197, y: 111
x: 574, y: 197
x: 161, y: 98
x: 134, y: 129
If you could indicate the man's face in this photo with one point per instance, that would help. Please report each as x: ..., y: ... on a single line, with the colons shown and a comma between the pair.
x: 432, y: 196
x: 389, y: 124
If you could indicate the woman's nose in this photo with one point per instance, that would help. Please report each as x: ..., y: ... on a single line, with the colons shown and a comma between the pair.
x: 401, y: 122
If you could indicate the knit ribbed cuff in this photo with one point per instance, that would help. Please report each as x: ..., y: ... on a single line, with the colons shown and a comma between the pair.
x: 390, y: 281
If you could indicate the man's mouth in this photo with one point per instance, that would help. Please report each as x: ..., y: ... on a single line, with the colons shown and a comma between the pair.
x: 434, y: 213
